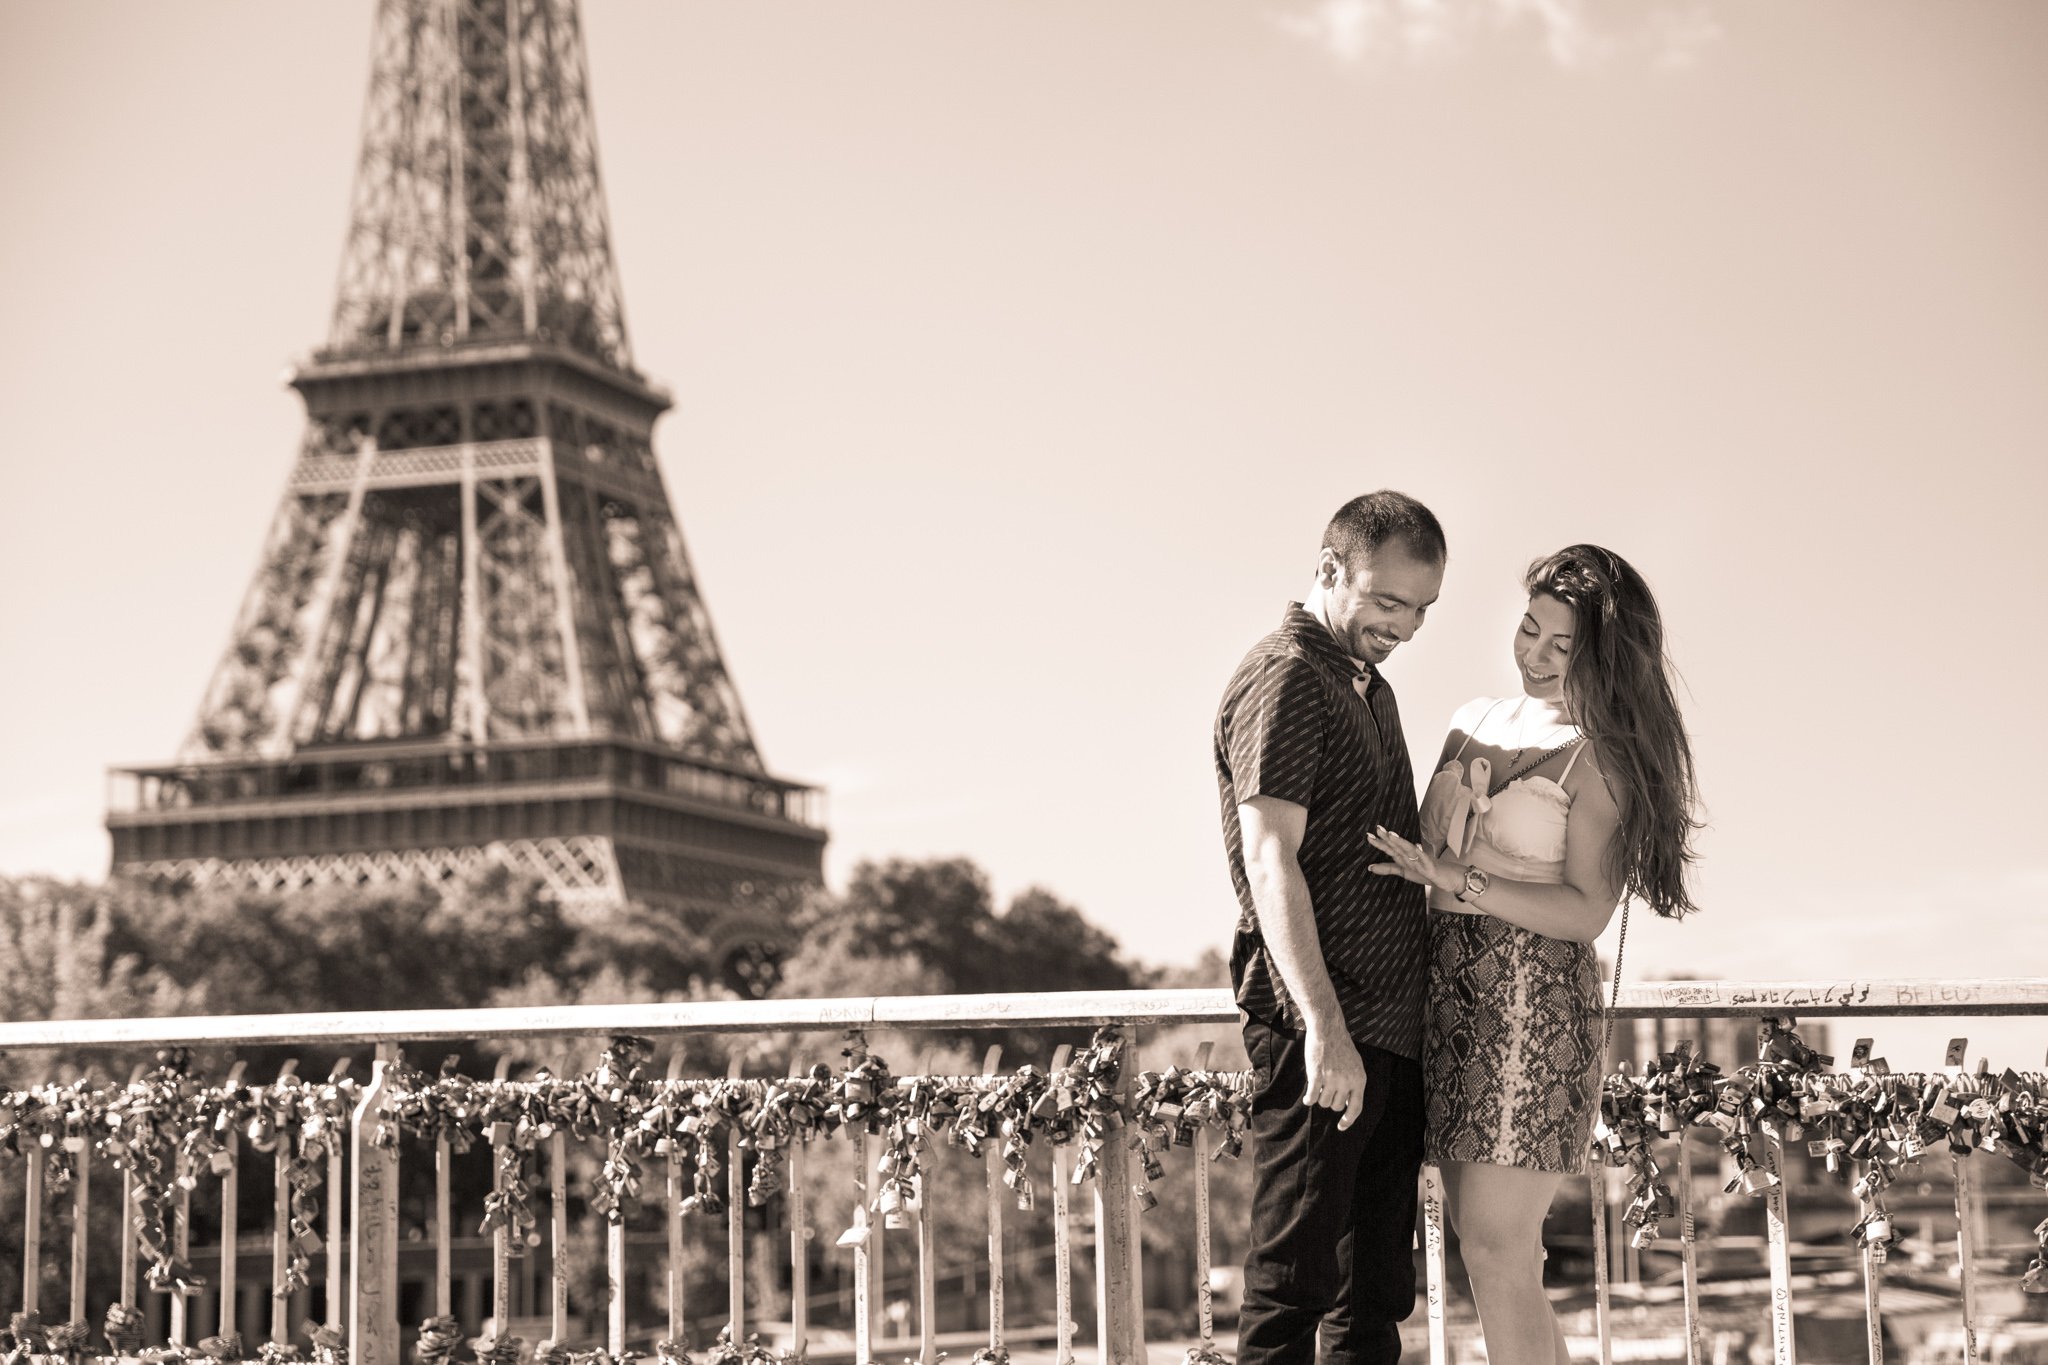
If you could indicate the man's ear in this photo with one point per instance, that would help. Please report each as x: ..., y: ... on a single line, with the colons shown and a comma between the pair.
x: 1329, y: 568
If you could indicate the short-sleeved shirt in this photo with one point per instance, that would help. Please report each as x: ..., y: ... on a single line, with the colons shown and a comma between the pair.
x: 1296, y: 725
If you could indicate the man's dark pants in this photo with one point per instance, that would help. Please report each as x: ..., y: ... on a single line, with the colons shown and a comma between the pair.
x: 1333, y: 1213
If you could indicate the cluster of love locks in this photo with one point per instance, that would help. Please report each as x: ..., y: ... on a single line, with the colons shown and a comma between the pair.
x: 1865, y: 1125
x: 168, y: 1125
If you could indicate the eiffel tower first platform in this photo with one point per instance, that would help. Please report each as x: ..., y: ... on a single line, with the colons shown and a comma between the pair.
x: 474, y: 635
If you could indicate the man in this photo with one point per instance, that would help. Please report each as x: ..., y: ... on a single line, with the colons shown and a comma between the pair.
x: 1330, y: 962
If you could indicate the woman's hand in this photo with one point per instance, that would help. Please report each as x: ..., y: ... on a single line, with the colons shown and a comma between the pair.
x: 1415, y: 863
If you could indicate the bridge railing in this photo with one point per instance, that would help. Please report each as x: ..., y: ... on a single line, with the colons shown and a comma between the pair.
x: 711, y: 1145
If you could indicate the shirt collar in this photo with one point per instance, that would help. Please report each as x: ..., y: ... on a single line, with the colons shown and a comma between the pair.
x: 1322, y: 646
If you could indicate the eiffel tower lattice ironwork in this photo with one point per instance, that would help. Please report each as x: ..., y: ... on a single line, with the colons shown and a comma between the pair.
x: 475, y: 635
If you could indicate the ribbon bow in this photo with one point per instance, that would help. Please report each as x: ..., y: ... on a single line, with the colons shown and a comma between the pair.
x: 1469, y: 801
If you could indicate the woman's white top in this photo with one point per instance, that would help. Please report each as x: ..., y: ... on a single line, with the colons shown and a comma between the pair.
x: 1518, y: 834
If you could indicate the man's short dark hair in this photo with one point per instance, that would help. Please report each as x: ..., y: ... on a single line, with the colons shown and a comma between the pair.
x: 1372, y: 520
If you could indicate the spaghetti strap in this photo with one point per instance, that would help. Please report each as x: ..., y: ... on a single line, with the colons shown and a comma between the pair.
x: 1475, y: 728
x: 1578, y: 747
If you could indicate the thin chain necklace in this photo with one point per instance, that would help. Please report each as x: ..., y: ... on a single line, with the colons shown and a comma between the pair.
x: 1516, y: 721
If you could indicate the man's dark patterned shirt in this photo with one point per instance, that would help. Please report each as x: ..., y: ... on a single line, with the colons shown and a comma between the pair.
x: 1294, y: 726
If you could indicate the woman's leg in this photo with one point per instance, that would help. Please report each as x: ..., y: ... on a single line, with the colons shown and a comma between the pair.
x: 1498, y: 1212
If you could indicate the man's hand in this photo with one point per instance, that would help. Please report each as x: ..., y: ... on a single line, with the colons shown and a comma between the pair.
x: 1273, y: 831
x: 1336, y: 1074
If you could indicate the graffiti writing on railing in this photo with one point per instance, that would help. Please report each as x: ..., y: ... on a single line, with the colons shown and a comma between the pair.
x: 1714, y: 994
x: 1812, y: 995
x: 1833, y: 993
x: 1937, y: 993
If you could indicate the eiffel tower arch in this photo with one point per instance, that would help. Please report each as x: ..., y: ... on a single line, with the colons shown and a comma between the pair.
x: 475, y: 635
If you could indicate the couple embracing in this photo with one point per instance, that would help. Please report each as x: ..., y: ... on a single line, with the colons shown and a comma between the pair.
x: 1421, y: 983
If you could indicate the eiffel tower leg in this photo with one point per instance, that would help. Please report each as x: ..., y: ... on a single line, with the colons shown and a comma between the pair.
x: 526, y: 273
x: 704, y: 703
x: 331, y: 696
x: 565, y: 610
x: 236, y: 713
x: 458, y: 177
x: 519, y: 661
x: 341, y: 551
x: 337, y: 701
x: 602, y: 593
x: 474, y: 712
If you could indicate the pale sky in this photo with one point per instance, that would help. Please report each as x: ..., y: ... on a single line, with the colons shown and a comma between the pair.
x: 1021, y: 351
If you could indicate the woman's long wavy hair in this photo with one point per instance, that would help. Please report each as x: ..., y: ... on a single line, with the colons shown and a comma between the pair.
x: 1618, y: 690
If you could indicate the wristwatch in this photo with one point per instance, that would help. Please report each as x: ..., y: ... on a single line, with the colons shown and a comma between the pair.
x: 1476, y: 882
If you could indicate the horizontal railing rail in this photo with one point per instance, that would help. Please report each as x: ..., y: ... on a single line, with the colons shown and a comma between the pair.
x: 1048, y: 1009
x: 173, y: 1137
x: 1051, y: 1009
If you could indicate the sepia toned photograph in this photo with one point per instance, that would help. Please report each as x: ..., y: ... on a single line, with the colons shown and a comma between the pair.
x: 1153, y: 684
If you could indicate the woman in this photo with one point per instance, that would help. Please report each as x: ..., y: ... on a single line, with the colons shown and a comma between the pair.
x: 1549, y: 809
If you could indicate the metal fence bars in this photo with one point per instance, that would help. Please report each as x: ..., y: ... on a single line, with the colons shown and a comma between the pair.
x: 685, y: 1146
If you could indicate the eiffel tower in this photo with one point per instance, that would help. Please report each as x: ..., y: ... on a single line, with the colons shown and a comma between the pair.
x: 474, y: 635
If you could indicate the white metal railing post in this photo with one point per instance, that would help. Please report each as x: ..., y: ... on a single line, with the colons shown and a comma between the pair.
x: 915, y: 1209
x: 1785, y: 1350
x: 1205, y: 1307
x: 1062, y: 1230
x: 1116, y: 1305
x: 558, y: 1237
x: 927, y: 1272
x: 865, y: 1236
x: 1872, y: 1227
x: 672, y: 1208
x: 504, y: 1170
x: 615, y: 1285
x: 280, y: 1242
x: 81, y: 1220
x: 373, y: 1228
x: 992, y: 1163
x: 1128, y: 1079
x: 799, y: 1250
x: 672, y: 1228
x: 926, y: 1267
x: 1966, y: 1202
x: 128, y: 1238
x: 337, y: 1196
x: 444, y: 1235
x: 1435, y: 1271
x: 735, y: 1227
x: 503, y: 1141
x: 1966, y: 1257
x: 1603, y: 1308
x: 181, y: 1247
x: 32, y: 1231
x: 1688, y: 1252
x: 228, y: 1164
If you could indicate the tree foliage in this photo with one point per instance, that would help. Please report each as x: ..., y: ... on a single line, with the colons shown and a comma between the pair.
x: 126, y: 948
x: 938, y: 923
